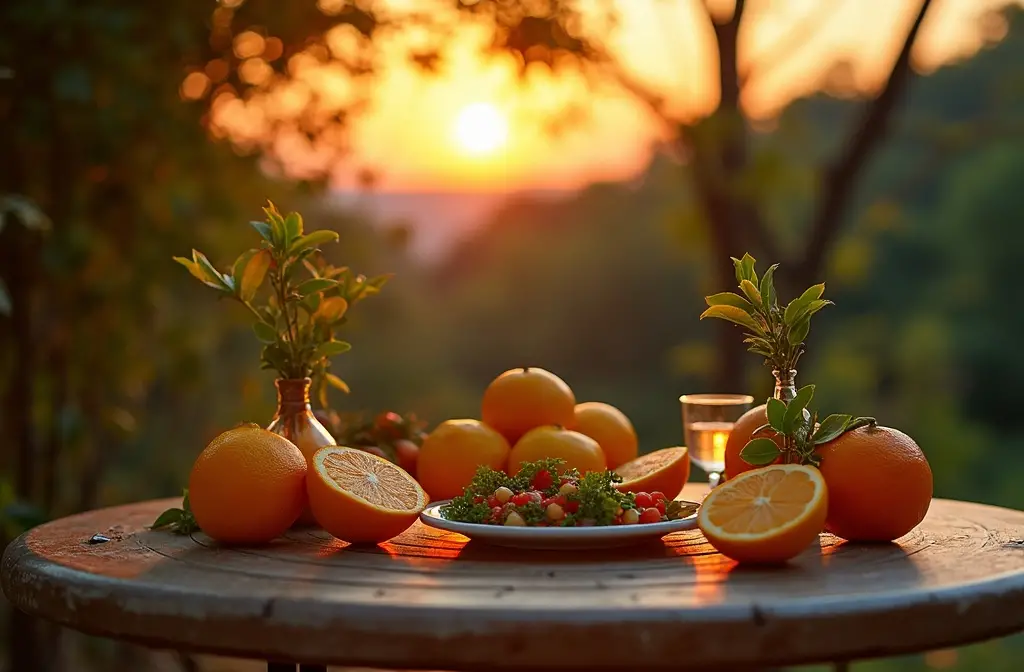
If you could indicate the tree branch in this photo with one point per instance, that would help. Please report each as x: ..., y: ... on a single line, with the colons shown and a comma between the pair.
x: 841, y: 177
x: 727, y: 151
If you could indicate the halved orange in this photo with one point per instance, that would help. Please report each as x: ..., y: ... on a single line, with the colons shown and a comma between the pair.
x: 664, y: 470
x: 767, y: 515
x: 362, y: 498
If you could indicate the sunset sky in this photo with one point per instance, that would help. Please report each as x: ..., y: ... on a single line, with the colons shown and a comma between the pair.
x: 475, y: 126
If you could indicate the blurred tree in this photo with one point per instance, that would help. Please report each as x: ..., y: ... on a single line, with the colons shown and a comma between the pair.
x: 95, y: 135
x: 259, y: 58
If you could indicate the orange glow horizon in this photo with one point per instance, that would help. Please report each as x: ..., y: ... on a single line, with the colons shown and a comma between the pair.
x: 477, y: 126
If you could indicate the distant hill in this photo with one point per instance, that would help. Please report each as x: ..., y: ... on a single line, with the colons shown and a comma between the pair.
x: 438, y: 220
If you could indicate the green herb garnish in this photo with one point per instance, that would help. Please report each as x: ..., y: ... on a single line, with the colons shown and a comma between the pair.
x: 179, y: 521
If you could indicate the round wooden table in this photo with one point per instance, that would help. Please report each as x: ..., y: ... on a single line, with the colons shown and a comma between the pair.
x: 430, y: 600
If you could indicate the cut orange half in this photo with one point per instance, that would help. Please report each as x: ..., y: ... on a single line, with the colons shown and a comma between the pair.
x: 766, y: 515
x: 362, y: 498
x: 664, y: 471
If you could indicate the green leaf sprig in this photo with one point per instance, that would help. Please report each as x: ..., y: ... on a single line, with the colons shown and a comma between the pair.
x: 179, y: 521
x: 800, y: 431
x: 776, y: 333
x: 305, y: 302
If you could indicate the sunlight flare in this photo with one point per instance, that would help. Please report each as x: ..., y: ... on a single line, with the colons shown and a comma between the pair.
x: 481, y: 128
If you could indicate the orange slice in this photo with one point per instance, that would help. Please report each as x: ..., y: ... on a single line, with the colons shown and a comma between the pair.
x: 767, y: 515
x: 360, y: 497
x: 664, y: 471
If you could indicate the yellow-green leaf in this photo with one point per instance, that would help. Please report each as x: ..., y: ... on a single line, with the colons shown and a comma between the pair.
x: 314, y: 239
x: 252, y: 276
x: 315, y: 285
x: 752, y: 292
x: 332, y: 348
x: 730, y: 299
x: 331, y: 309
x: 734, y: 315
x: 337, y: 383
x: 198, y: 272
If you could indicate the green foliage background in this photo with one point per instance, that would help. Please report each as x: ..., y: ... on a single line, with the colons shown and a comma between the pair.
x: 135, y: 367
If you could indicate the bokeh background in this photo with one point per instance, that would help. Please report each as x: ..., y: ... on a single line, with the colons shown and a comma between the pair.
x: 554, y: 182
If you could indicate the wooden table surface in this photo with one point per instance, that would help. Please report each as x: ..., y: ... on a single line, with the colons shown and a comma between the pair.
x: 430, y: 600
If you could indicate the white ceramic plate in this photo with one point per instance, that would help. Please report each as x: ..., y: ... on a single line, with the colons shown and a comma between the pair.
x: 558, y: 538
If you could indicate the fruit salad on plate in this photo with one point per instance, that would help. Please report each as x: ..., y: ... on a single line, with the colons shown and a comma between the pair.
x: 540, y: 494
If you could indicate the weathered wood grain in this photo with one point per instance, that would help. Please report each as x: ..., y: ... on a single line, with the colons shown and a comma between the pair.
x: 430, y: 600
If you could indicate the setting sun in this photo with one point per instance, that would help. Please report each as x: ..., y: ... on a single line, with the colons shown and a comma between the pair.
x: 481, y: 128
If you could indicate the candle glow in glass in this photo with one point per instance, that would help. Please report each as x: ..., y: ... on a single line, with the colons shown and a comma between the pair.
x: 707, y: 422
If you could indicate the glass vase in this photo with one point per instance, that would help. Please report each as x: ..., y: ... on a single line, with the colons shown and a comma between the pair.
x: 785, y: 385
x: 295, y: 421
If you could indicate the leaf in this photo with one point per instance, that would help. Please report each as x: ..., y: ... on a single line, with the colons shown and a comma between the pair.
x: 797, y: 305
x: 212, y: 275
x: 830, y: 428
x: 378, y: 282
x: 238, y: 268
x: 331, y: 309
x: 745, y: 268
x: 168, y: 518
x: 751, y: 291
x: 5, y: 299
x: 798, y: 333
x: 312, y: 240
x: 332, y: 348
x: 196, y: 272
x: 337, y: 383
x: 733, y: 314
x: 262, y: 228
x: 730, y: 299
x: 265, y: 332
x: 857, y: 423
x: 315, y: 285
x: 768, y: 297
x: 255, y: 271
x: 292, y: 227
x: 278, y: 230
x: 811, y: 309
x: 776, y: 411
x: 760, y: 452
x: 321, y: 392
x: 795, y: 409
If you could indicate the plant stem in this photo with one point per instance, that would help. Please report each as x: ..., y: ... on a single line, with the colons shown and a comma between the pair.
x: 277, y: 279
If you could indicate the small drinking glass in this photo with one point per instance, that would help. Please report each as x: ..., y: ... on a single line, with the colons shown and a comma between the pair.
x: 707, y: 423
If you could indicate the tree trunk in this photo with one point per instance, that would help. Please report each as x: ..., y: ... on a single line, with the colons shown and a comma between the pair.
x: 24, y: 652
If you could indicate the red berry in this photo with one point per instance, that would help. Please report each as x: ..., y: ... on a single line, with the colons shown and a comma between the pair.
x: 408, y: 454
x: 644, y: 501
x: 571, y: 506
x: 520, y: 499
x: 651, y: 515
x: 492, y: 502
x: 660, y: 506
x: 478, y: 499
x: 543, y: 480
x: 658, y: 496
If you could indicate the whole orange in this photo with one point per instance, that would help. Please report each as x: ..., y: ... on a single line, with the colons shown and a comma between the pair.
x: 519, y: 400
x: 741, y: 434
x: 247, y: 486
x: 451, y: 454
x: 578, y: 450
x: 879, y: 484
x: 610, y: 428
